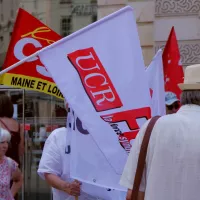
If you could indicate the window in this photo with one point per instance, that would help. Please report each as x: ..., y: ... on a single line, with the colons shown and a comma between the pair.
x: 65, y: 1
x: 65, y: 26
x: 12, y: 13
x: 1, y: 38
x: 93, y: 1
x: 94, y: 18
x: 2, y: 17
x: 36, y: 4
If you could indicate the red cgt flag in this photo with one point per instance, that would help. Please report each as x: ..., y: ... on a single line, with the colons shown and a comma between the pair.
x: 173, y: 70
x: 29, y: 35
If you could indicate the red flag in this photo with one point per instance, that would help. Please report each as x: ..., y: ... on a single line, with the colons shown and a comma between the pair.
x: 29, y: 35
x: 173, y: 70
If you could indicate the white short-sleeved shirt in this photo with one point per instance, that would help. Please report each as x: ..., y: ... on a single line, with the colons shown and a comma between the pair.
x: 173, y: 158
x: 56, y: 161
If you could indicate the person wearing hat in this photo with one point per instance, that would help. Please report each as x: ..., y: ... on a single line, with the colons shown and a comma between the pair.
x: 172, y: 164
x: 171, y: 102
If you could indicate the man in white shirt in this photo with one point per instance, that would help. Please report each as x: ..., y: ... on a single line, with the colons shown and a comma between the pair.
x: 173, y: 157
x: 54, y: 167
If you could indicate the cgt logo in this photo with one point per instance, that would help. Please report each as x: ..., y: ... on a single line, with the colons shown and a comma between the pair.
x: 31, y: 38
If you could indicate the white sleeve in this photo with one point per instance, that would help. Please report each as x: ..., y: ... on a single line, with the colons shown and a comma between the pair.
x: 128, y: 175
x: 51, y: 161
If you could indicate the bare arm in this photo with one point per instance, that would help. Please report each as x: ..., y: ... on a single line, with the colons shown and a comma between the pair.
x: 140, y: 195
x: 57, y: 183
x: 17, y: 181
x: 21, y: 144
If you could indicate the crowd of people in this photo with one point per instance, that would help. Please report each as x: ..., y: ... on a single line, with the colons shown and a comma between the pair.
x: 172, y: 160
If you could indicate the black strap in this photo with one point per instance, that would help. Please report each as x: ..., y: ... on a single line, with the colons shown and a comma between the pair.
x: 142, y: 158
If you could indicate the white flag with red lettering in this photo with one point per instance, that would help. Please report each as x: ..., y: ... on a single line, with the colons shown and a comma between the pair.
x: 100, y: 71
x: 156, y: 84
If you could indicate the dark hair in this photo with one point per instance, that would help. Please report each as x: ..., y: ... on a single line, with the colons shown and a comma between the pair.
x: 6, y: 106
x: 190, y: 97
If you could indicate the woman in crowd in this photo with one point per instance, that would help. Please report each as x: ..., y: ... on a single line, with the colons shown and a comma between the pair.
x: 8, y: 170
x: 16, y: 147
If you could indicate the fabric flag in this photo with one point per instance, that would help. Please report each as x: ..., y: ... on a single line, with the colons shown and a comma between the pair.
x: 29, y: 35
x: 173, y: 70
x: 156, y: 84
x: 100, y: 71
x: 93, y: 153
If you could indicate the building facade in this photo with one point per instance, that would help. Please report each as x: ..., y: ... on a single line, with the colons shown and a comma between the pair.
x: 63, y: 16
x: 185, y: 17
x: 8, y: 9
x: 155, y: 19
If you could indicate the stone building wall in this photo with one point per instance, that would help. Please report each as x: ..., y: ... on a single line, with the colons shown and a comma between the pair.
x: 185, y: 17
x: 155, y: 19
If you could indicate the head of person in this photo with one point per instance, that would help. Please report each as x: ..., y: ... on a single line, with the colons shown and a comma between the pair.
x: 6, y: 106
x: 191, y: 86
x: 171, y: 102
x: 4, y: 141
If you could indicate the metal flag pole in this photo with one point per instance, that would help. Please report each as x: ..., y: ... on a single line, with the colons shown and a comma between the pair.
x: 19, y: 62
x: 65, y: 39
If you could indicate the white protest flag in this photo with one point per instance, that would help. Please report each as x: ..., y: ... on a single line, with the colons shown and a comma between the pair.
x: 156, y: 84
x: 92, y: 162
x: 100, y: 71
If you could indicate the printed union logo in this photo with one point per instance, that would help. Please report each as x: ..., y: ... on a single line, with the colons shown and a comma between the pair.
x: 95, y: 79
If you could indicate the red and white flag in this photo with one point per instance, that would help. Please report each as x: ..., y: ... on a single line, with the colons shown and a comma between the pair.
x: 156, y: 84
x: 102, y: 77
x: 29, y: 35
x: 173, y: 71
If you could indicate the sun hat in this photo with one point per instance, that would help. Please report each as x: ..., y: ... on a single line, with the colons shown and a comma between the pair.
x: 192, y: 78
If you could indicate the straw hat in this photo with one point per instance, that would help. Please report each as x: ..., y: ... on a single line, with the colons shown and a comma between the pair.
x: 192, y: 78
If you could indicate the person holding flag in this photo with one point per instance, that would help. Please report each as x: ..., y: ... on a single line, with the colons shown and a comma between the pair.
x: 54, y: 167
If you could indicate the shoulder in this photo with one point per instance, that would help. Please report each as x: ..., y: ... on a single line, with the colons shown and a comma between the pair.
x: 12, y: 164
x: 58, y: 135
x: 169, y: 120
x: 10, y: 123
x: 163, y: 122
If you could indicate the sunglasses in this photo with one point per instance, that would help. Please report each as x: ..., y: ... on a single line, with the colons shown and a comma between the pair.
x: 173, y: 106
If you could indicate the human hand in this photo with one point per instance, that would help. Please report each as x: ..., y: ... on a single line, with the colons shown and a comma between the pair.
x: 73, y: 188
x: 129, y: 193
x: 139, y: 197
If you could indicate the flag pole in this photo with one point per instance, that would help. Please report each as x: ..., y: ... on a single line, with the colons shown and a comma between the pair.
x: 19, y: 62
x: 65, y: 39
